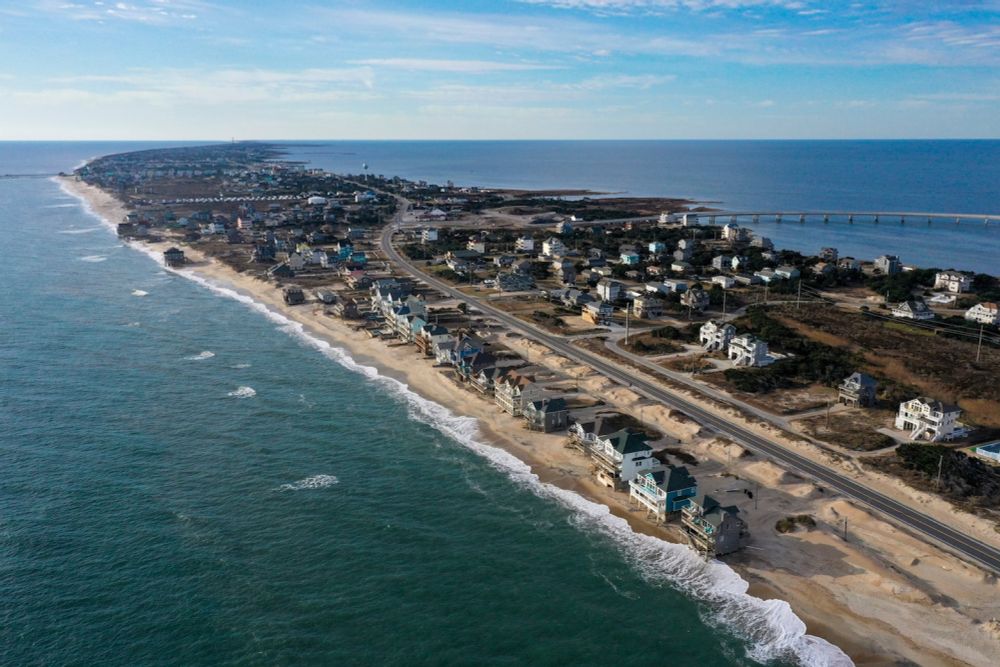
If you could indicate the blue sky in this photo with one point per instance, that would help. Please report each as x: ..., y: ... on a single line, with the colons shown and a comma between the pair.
x: 523, y: 69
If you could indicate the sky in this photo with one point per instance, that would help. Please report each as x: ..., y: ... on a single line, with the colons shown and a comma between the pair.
x: 501, y: 69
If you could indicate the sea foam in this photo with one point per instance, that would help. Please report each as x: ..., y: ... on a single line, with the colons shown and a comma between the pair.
x: 201, y: 356
x: 86, y: 230
x: 139, y: 292
x: 93, y: 258
x: 243, y: 392
x: 314, y: 482
x: 770, y: 627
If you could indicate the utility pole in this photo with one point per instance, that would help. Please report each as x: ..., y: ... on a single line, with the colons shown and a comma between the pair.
x: 628, y: 309
x: 798, y: 299
x: 979, y: 346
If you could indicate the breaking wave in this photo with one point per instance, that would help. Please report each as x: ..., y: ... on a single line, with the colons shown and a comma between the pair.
x: 243, y: 392
x: 139, y: 292
x: 86, y: 230
x: 314, y: 482
x: 200, y: 356
x: 93, y: 258
x: 771, y: 629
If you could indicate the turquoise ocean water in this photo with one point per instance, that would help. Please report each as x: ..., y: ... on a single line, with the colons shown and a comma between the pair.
x: 188, y: 479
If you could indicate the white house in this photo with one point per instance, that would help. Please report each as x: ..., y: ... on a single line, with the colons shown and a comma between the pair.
x: 748, y: 350
x: 689, y: 220
x: 888, y: 264
x: 621, y: 456
x: 725, y: 282
x: 984, y: 313
x: 952, y: 281
x: 671, y: 285
x: 656, y: 247
x: 929, y: 419
x: 912, y: 310
x: 733, y: 232
x: 553, y: 247
x: 716, y: 336
x: 525, y: 244
x: 428, y: 235
x: 609, y: 290
x: 629, y: 258
x: 476, y: 245
x: 789, y: 272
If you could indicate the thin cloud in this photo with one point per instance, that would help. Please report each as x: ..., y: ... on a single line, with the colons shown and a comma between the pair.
x: 443, y: 65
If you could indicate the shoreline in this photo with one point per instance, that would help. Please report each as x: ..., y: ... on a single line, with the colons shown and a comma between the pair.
x: 552, y: 464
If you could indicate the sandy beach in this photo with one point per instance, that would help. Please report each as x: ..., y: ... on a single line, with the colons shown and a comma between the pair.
x: 882, y: 595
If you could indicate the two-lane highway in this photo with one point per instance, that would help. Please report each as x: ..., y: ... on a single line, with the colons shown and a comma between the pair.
x: 950, y: 538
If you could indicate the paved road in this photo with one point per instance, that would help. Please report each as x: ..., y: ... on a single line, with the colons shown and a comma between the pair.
x: 948, y: 537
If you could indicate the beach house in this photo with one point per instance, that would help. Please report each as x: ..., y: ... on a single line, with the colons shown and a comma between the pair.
x: 513, y: 391
x: 715, y: 336
x: 620, y: 456
x: 173, y: 257
x: 952, y: 281
x: 748, y: 350
x: 629, y: 258
x: 546, y: 415
x: 984, y: 313
x: 525, y: 244
x: 587, y: 433
x: 663, y: 490
x: 695, y: 299
x: 598, y: 312
x: 714, y: 529
x: 858, y: 390
x: 553, y: 247
x: 888, y: 265
x: 428, y: 235
x: 293, y: 296
x: 609, y: 290
x: 914, y: 309
x: 647, y: 307
x: 929, y: 419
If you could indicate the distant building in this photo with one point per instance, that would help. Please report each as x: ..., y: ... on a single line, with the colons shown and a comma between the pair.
x: 734, y: 233
x: 514, y: 282
x: 645, y: 307
x: 984, y: 313
x: 564, y: 228
x: 928, y: 419
x: 990, y: 451
x: 629, y: 258
x: 858, y: 390
x: 428, y: 235
x: 748, y: 350
x: 888, y: 265
x: 553, y: 247
x: 695, y: 299
x: 725, y: 282
x: 952, y: 281
x: 513, y: 392
x: 829, y: 255
x: 656, y: 247
x: 848, y: 264
x: 294, y: 296
x: 525, y: 244
x: 714, y: 529
x: 787, y: 272
x: 715, y: 336
x: 609, y: 290
x: 912, y: 310
x: 722, y: 262
x: 598, y: 312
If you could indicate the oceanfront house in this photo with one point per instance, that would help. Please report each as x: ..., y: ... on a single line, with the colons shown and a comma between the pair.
x: 173, y: 257
x: 525, y: 244
x: 858, y: 390
x: 715, y: 336
x: 598, y: 312
x: 514, y: 282
x: 647, y: 307
x: 929, y: 419
x: 280, y: 271
x: 663, y: 490
x: 696, y: 299
x: 293, y: 296
x: 984, y: 313
x: 748, y: 350
x: 586, y: 434
x: 914, y: 309
x: 952, y: 281
x: 428, y: 235
x: 553, y: 247
x: 714, y: 529
x: 513, y: 391
x: 546, y: 415
x: 629, y: 258
x: 609, y: 290
x: 888, y: 265
x: 428, y: 336
x: 483, y: 381
x: 621, y: 456
x: 348, y: 309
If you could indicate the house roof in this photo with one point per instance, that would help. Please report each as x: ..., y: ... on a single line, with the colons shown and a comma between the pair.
x: 627, y: 441
x: 547, y: 405
x: 862, y: 379
x: 672, y: 478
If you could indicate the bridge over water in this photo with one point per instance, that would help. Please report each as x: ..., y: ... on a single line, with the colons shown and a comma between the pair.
x: 876, y: 217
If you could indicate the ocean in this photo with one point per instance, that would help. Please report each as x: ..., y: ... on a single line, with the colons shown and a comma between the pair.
x: 190, y: 479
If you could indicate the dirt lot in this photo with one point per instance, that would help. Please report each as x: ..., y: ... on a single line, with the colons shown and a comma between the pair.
x: 854, y: 429
x: 944, y: 368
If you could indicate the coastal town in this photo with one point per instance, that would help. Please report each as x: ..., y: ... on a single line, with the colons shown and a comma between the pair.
x: 568, y: 313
